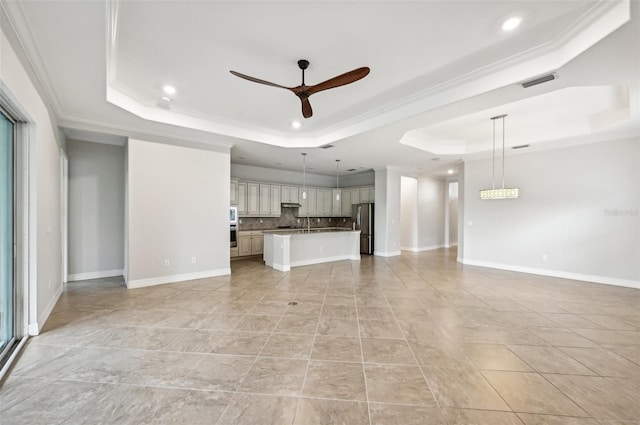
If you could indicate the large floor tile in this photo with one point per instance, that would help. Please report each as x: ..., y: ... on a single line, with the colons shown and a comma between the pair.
x: 255, y: 409
x: 601, y: 398
x: 392, y: 414
x: 550, y: 360
x: 275, y: 376
x: 531, y: 393
x: 480, y: 417
x: 397, y: 384
x: 463, y: 388
x: 324, y: 412
x: 494, y: 357
x: 335, y: 380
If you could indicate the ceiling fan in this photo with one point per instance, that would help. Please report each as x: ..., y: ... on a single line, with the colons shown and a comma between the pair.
x: 303, y: 91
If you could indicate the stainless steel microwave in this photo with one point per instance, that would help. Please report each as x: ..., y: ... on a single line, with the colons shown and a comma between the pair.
x: 233, y: 215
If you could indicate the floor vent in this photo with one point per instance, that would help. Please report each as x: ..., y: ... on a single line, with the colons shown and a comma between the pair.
x: 539, y: 80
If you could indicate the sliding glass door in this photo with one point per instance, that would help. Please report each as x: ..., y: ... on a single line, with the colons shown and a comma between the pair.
x: 7, y: 281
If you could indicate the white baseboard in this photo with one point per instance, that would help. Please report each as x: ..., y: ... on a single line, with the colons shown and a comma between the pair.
x: 324, y: 260
x: 35, y: 328
x: 160, y: 280
x: 387, y: 254
x: 94, y: 275
x: 556, y: 273
x: 421, y: 248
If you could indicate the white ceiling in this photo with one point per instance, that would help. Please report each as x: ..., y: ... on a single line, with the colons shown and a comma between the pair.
x: 439, y: 71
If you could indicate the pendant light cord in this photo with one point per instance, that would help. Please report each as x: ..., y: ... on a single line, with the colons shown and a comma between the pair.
x: 503, y: 136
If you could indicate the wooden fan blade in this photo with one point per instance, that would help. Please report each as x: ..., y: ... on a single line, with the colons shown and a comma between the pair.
x: 257, y: 80
x: 307, y: 112
x: 340, y: 80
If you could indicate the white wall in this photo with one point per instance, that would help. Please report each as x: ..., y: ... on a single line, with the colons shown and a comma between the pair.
x: 451, y: 237
x: 45, y: 250
x: 273, y: 175
x: 577, y: 215
x: 178, y: 208
x: 96, y: 210
x: 408, y: 213
x: 387, y: 212
x: 431, y: 213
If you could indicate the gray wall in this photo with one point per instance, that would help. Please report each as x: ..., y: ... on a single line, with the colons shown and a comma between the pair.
x: 577, y: 215
x: 96, y: 210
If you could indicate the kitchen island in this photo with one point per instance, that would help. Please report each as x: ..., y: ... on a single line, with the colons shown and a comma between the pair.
x: 284, y: 249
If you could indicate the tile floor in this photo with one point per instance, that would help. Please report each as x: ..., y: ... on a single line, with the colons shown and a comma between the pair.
x: 416, y: 339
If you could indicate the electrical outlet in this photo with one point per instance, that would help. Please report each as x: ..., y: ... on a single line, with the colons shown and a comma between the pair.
x: 298, y: 221
x: 318, y: 220
x: 240, y: 221
x: 193, y: 260
x: 543, y: 257
x: 167, y: 263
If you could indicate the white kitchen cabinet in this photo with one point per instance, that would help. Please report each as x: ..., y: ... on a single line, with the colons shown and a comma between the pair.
x: 355, y: 196
x: 290, y: 194
x: 312, y: 202
x: 244, y: 245
x: 372, y: 193
x: 336, y: 199
x: 253, y: 198
x: 257, y: 245
x: 265, y: 199
x: 364, y: 195
x: 233, y: 192
x: 250, y: 242
x: 275, y: 200
x: 345, y: 201
x: 242, y: 198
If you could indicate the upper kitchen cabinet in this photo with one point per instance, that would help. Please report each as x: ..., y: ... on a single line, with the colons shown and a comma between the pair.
x: 355, y: 195
x: 324, y: 202
x: 309, y: 206
x: 242, y: 198
x: 233, y: 193
x: 290, y: 194
x: 275, y: 200
x: 253, y: 199
x: 345, y: 203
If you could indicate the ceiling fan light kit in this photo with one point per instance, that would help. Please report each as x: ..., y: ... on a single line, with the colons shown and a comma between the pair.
x: 503, y: 192
x: 303, y: 91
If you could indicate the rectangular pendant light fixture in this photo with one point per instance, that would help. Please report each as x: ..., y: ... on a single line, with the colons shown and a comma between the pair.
x: 503, y: 192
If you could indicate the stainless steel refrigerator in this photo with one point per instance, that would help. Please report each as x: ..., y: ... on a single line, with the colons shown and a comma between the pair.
x: 363, y: 217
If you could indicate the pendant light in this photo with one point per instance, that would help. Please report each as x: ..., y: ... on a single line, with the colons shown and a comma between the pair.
x: 304, y: 175
x: 503, y: 192
x: 337, y: 180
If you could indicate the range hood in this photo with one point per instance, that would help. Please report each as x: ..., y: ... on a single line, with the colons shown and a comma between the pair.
x: 290, y: 205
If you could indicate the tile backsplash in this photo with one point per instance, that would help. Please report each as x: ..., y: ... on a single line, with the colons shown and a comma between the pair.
x: 289, y: 217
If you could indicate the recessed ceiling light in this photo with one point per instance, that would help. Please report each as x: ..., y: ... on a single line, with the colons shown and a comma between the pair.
x: 450, y: 171
x: 170, y: 90
x: 511, y: 23
x: 296, y: 124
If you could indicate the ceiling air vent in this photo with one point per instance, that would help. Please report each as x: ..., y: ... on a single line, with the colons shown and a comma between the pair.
x: 539, y: 80
x: 520, y: 146
x: 325, y: 146
x: 351, y: 169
